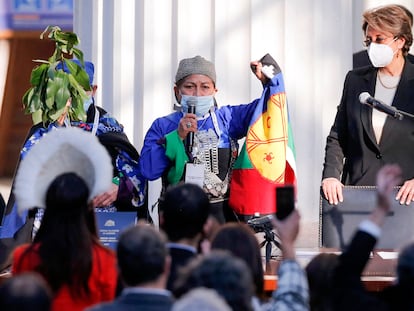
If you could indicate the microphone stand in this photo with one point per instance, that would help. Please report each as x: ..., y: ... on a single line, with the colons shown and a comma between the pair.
x: 366, y: 99
x: 263, y: 224
x: 402, y: 114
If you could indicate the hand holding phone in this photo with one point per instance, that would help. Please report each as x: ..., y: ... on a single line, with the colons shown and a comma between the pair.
x: 285, y: 201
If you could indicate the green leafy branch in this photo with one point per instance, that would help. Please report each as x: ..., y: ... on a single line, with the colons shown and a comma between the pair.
x: 53, y: 91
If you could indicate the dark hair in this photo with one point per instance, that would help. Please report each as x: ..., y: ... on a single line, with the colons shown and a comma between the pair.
x: 184, y: 210
x: 405, y: 265
x: 26, y: 291
x: 221, y: 271
x: 239, y: 239
x: 141, y: 253
x: 66, y: 235
x: 320, y: 272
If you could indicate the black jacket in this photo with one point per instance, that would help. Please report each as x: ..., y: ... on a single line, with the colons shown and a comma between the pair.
x: 352, y: 153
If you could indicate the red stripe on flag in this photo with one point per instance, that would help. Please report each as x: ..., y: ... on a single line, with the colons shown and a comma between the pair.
x: 255, y: 195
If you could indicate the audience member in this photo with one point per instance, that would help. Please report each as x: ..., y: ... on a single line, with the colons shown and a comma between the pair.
x: 127, y: 189
x: 184, y: 217
x: 350, y: 293
x: 25, y: 292
x: 144, y: 265
x: 399, y: 296
x: 201, y: 299
x: 62, y: 174
x: 320, y: 272
x: 292, y: 291
x: 239, y: 239
x: 221, y: 271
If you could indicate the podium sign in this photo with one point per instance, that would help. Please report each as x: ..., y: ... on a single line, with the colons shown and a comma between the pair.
x: 111, y: 224
x: 337, y: 224
x: 35, y: 14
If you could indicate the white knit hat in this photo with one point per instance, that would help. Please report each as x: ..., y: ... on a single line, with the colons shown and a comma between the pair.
x: 62, y: 150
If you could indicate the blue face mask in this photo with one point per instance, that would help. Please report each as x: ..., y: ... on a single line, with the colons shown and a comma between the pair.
x: 203, y: 103
x: 87, y: 103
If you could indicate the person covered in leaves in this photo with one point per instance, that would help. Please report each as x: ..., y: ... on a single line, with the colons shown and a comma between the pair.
x: 73, y: 104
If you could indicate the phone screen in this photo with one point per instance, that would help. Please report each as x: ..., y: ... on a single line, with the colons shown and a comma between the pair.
x: 285, y: 201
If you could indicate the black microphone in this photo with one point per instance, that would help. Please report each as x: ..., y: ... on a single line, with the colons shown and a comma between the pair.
x: 190, y: 136
x: 367, y: 99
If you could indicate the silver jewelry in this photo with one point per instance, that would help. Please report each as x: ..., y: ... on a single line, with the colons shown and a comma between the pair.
x: 206, y: 151
x: 188, y: 125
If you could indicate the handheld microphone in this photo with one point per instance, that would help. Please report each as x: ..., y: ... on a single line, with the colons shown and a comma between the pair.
x: 367, y: 99
x: 190, y: 135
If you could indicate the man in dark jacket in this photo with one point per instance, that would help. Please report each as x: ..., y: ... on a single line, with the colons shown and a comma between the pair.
x: 184, y: 217
x: 350, y: 293
x: 144, y: 264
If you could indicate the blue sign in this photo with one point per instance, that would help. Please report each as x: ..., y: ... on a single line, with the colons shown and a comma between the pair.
x: 111, y: 224
x: 36, y: 14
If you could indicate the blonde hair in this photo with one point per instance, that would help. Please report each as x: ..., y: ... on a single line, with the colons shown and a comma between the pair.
x: 393, y: 18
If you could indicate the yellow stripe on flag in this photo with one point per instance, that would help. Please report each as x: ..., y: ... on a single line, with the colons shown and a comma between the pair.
x: 267, y: 139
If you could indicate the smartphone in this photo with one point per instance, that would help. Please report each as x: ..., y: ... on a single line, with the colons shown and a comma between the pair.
x: 285, y: 201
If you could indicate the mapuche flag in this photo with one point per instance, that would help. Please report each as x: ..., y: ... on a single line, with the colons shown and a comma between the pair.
x: 267, y: 158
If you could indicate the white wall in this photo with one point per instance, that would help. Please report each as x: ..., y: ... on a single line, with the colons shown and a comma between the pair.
x: 136, y: 46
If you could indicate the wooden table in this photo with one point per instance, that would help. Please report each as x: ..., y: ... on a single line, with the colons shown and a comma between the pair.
x: 378, y: 274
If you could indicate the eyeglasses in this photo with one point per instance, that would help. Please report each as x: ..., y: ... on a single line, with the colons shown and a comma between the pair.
x: 378, y: 40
